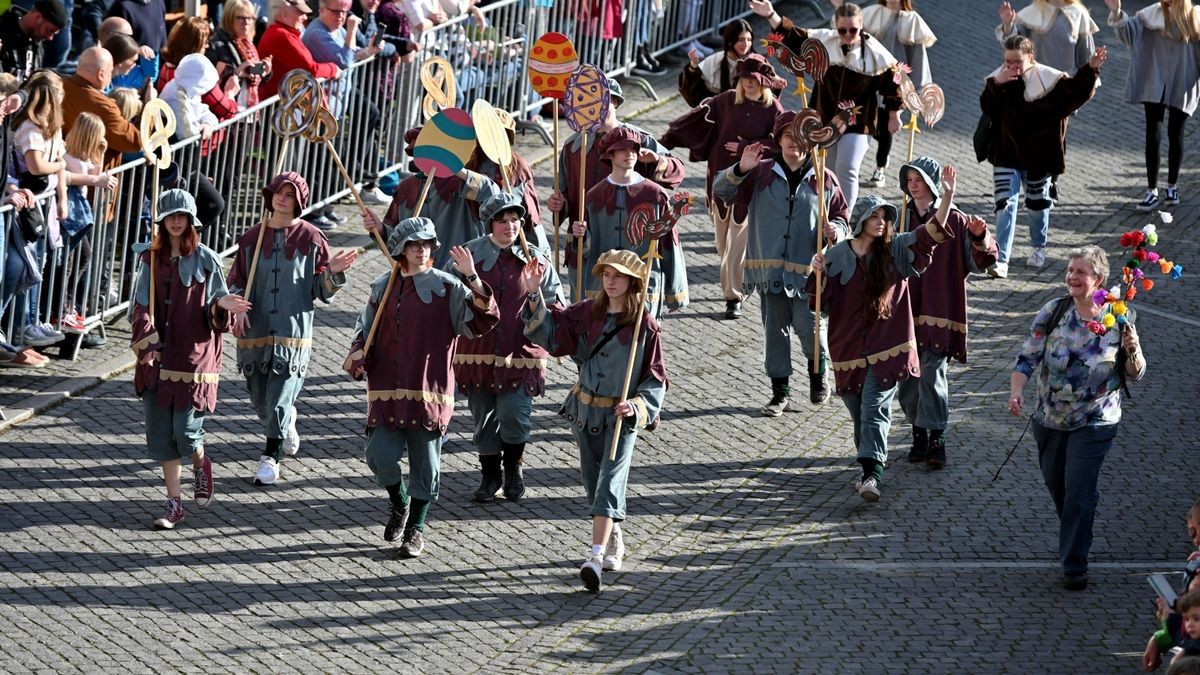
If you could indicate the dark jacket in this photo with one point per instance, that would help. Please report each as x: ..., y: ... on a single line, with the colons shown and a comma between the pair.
x: 1032, y: 135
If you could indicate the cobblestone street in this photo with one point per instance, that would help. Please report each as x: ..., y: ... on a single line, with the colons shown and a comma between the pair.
x: 748, y: 547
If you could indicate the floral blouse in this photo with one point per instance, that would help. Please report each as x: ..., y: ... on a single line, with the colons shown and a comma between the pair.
x: 1077, y: 380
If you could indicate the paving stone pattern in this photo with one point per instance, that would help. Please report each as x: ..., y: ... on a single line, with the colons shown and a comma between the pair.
x: 748, y: 549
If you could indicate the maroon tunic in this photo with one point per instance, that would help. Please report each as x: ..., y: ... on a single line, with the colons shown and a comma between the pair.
x: 719, y: 120
x: 941, y: 315
x: 857, y: 339
x: 502, y: 359
x: 185, y: 331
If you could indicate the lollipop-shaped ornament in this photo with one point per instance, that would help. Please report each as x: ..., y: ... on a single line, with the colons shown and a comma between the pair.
x: 552, y: 59
x: 493, y: 141
x: 586, y: 106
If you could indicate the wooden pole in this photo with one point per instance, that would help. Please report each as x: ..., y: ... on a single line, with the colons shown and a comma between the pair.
x: 912, y: 141
x: 822, y: 216
x: 633, y: 346
x: 395, y: 270
x: 554, y: 107
x: 153, y: 234
x: 582, y: 211
x: 262, y: 228
x: 337, y: 159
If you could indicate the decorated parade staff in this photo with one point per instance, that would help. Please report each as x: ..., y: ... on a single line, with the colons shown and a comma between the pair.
x: 871, y: 339
x: 502, y: 370
x: 780, y: 197
x: 906, y: 36
x: 295, y: 268
x: 514, y: 176
x: 410, y: 380
x: 860, y: 80
x: 1061, y: 31
x: 939, y: 308
x: 177, y: 342
x: 655, y: 162
x: 611, y: 205
x: 1028, y: 104
x: 599, y: 334
x: 716, y: 132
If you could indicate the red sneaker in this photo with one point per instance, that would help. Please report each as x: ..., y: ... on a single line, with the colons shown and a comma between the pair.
x: 173, y: 515
x: 71, y: 322
x: 204, y: 489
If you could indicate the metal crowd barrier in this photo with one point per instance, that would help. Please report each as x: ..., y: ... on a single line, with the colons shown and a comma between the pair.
x: 376, y: 101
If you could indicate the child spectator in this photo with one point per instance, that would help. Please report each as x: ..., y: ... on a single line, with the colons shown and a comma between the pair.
x: 1181, y: 628
x: 85, y: 158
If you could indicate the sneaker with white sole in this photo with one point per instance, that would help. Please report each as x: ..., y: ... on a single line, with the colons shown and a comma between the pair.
x: 291, y: 440
x: 268, y: 471
x: 614, y: 550
x: 32, y: 336
x: 877, y: 179
x: 1149, y: 202
x: 1172, y: 196
x: 173, y: 515
x: 375, y: 196
x: 868, y: 489
x: 998, y: 271
x: 203, y: 488
x: 1036, y: 259
x: 591, y: 573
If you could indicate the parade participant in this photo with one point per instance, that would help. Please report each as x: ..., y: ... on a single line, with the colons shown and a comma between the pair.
x: 610, y: 205
x: 655, y: 162
x: 717, y: 131
x: 1061, y: 31
x: 178, y: 347
x: 502, y: 370
x: 715, y: 73
x: 1164, y: 76
x: 410, y: 380
x: 940, y: 314
x: 598, y: 335
x: 1079, y: 377
x: 871, y: 339
x: 1029, y: 104
x: 906, y: 36
x: 861, y: 80
x: 780, y: 198
x: 274, y: 342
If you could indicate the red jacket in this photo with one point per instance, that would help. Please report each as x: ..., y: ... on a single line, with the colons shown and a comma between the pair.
x: 284, y: 44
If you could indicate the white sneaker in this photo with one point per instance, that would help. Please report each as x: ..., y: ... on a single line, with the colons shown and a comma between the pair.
x: 868, y: 489
x: 1037, y: 259
x: 268, y: 471
x: 374, y: 196
x: 614, y: 550
x: 591, y: 573
x: 877, y: 179
x: 32, y: 336
x: 998, y: 270
x: 291, y: 442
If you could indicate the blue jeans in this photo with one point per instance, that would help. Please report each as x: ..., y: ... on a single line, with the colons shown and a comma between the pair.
x: 1071, y: 462
x: 872, y: 414
x: 1039, y: 199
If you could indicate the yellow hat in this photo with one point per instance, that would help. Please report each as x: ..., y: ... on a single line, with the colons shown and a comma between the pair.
x: 625, y: 262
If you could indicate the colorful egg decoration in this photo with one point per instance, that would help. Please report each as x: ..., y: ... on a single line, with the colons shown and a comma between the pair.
x: 551, y: 62
x: 445, y: 143
x: 586, y: 103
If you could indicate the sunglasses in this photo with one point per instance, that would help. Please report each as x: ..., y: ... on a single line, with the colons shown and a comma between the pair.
x: 847, y: 31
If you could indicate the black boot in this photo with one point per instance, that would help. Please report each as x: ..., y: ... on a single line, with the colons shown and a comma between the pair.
x: 779, y: 398
x: 514, y: 484
x: 937, y: 449
x: 491, y: 481
x: 650, y: 58
x: 920, y: 446
x: 818, y: 387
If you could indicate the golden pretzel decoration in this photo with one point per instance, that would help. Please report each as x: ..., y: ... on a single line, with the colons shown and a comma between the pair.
x: 299, y: 104
x: 157, y: 127
x: 441, y: 89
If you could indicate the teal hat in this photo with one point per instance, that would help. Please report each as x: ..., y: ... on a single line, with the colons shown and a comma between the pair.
x: 615, y: 93
x: 865, y: 206
x: 498, y: 203
x: 411, y: 229
x: 930, y: 170
x: 177, y: 201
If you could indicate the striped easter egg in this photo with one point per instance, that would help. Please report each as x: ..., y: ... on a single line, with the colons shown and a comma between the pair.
x: 445, y: 143
x: 551, y: 61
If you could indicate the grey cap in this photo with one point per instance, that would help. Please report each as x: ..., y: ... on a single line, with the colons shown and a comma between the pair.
x: 176, y: 201
x: 412, y: 229
x: 930, y: 170
x: 615, y: 92
x: 865, y: 206
x: 501, y: 201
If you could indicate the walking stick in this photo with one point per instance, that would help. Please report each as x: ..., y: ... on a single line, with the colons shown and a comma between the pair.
x: 157, y: 127
x: 586, y: 107
x: 551, y: 60
x: 443, y: 146
x: 633, y: 345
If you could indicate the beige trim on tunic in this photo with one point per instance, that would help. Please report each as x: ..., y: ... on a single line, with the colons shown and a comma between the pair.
x: 872, y: 359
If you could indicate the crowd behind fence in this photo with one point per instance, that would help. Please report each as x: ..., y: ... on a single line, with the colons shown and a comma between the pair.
x: 376, y: 101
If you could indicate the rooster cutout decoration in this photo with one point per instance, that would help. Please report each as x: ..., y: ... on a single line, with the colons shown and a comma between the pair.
x: 813, y: 60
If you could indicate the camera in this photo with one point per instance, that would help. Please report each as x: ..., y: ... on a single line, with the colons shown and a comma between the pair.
x: 259, y: 68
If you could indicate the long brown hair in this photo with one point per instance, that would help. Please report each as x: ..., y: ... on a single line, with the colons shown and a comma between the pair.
x: 905, y: 5
x: 879, y: 273
x: 187, y: 243
x: 631, y: 303
x: 187, y: 37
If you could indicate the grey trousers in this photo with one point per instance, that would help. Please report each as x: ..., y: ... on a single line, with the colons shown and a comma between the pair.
x: 386, y: 447
x: 273, y: 396
x: 506, y: 416
x: 781, y: 316
x: 926, y: 399
x: 872, y: 414
x: 605, y: 480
